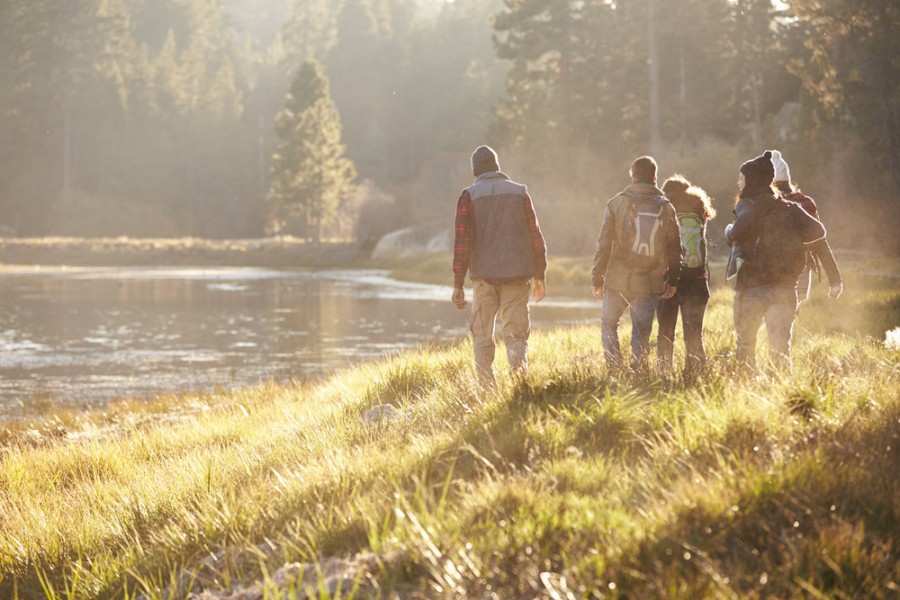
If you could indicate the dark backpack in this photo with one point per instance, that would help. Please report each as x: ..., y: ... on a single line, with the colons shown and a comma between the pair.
x: 640, y: 235
x: 779, y: 252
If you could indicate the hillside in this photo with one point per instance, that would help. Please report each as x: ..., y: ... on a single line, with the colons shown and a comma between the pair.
x: 572, y: 483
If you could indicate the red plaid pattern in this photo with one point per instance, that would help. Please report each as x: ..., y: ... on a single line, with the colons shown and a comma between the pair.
x: 465, y: 239
x: 805, y: 202
x: 821, y: 250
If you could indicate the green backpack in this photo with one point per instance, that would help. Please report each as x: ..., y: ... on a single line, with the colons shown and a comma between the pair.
x: 693, y: 240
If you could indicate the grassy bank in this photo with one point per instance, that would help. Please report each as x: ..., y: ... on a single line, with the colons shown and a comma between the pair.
x: 571, y: 483
x: 564, y: 274
x: 283, y: 252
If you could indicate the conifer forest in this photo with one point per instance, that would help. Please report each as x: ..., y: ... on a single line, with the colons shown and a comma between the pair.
x: 346, y: 119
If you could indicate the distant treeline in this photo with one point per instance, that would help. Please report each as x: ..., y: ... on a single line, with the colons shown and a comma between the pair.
x: 230, y: 118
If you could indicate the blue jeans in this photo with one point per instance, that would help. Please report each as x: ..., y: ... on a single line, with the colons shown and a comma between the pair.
x: 642, y: 308
x: 777, y: 305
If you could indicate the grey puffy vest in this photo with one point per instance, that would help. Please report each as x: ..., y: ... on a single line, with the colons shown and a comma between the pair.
x: 502, y: 239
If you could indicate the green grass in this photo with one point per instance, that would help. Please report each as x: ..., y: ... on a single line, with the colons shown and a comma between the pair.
x: 568, y: 274
x: 571, y: 483
x: 436, y: 268
x: 274, y: 252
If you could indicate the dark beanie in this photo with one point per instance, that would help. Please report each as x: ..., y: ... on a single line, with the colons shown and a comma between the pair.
x: 759, y: 171
x: 484, y: 160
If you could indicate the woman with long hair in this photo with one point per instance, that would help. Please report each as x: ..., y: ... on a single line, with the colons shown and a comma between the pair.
x: 819, y: 251
x: 694, y: 209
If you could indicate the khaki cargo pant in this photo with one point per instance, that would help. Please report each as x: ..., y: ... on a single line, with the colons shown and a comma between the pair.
x: 511, y: 302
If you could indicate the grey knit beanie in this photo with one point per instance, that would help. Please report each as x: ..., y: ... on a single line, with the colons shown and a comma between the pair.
x: 484, y: 160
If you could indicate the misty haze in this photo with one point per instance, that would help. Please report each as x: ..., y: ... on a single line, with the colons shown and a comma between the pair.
x: 449, y: 299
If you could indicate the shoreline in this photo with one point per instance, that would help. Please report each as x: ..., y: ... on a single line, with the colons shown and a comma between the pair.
x: 568, y: 276
x: 122, y: 251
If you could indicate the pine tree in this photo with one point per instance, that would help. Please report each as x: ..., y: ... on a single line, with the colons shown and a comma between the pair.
x: 258, y: 21
x: 613, y: 80
x: 72, y: 64
x: 758, y: 66
x: 310, y: 175
x: 363, y: 95
x: 853, y: 75
x: 695, y: 51
x: 454, y: 52
x: 544, y: 39
x: 308, y: 33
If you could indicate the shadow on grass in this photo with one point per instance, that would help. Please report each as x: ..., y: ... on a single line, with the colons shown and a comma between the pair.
x: 826, y: 526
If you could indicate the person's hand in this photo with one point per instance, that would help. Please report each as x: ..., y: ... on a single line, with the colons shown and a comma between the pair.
x: 597, y: 290
x: 834, y: 292
x: 459, y: 298
x: 669, y: 292
x: 538, y: 290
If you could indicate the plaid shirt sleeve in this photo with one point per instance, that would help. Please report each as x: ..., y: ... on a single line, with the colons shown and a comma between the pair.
x: 806, y: 203
x: 538, y: 246
x: 464, y: 244
x: 820, y: 248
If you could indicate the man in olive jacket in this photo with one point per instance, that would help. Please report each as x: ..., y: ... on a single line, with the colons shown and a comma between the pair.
x: 638, y: 260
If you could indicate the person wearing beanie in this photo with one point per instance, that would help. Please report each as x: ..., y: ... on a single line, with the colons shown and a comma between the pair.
x: 758, y: 175
x: 637, y: 261
x: 693, y: 208
x: 500, y: 245
x: 782, y: 170
x: 484, y: 160
x: 820, y: 251
x: 770, y: 234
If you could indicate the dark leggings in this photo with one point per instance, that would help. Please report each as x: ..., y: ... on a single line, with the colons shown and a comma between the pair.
x: 693, y: 308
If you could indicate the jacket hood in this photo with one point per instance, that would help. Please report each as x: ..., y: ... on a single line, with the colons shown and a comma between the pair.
x: 644, y: 189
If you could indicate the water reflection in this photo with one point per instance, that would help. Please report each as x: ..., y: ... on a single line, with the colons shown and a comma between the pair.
x: 83, y: 335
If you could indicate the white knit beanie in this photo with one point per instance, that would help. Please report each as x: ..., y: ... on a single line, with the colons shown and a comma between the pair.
x: 782, y: 172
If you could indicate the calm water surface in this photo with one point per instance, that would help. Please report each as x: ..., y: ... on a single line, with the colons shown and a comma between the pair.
x: 84, y: 335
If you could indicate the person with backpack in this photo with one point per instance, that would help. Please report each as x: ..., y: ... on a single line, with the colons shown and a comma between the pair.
x: 772, y: 234
x: 500, y: 244
x: 637, y: 261
x: 819, y: 252
x: 693, y: 208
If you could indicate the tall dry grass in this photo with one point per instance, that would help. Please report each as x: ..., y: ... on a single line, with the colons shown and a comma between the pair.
x: 575, y: 482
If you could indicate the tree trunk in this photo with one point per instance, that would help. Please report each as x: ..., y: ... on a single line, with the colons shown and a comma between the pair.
x: 261, y: 163
x: 67, y: 152
x: 653, y: 74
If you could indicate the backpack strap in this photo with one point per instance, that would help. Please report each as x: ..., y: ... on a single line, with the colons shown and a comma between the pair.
x: 620, y: 219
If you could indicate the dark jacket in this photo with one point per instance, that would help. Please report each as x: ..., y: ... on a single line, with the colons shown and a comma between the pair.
x: 745, y: 233
x: 820, y: 249
x: 614, y: 274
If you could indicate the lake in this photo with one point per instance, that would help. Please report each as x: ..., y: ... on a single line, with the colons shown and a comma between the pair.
x: 84, y: 335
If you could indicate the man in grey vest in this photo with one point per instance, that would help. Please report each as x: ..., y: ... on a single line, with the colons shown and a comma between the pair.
x: 499, y: 242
